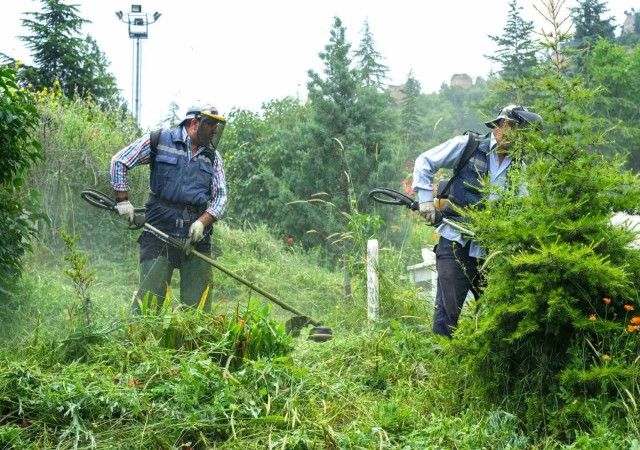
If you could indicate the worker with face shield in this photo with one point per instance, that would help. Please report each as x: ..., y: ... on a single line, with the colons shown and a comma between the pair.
x: 187, y: 195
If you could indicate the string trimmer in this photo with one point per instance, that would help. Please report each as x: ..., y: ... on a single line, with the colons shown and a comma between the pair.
x: 391, y: 197
x: 293, y: 325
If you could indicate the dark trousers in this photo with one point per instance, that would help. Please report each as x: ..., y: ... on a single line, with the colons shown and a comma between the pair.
x: 457, y: 274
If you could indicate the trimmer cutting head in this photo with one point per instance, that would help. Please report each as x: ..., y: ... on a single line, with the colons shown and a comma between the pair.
x: 319, y: 333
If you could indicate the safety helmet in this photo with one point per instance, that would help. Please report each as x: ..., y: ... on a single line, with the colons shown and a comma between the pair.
x: 518, y: 115
x: 211, y: 125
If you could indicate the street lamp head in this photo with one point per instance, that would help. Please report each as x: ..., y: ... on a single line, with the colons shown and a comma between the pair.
x: 119, y: 15
x: 156, y: 16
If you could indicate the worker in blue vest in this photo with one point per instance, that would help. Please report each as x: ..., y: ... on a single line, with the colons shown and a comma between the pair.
x: 457, y: 254
x: 187, y: 195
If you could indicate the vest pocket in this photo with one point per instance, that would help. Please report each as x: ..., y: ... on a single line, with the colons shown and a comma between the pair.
x: 167, y: 159
x: 165, y: 165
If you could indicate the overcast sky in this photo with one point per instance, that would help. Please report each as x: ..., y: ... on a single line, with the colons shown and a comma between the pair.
x: 242, y: 53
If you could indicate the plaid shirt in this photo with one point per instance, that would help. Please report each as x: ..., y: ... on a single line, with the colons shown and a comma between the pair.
x: 138, y: 154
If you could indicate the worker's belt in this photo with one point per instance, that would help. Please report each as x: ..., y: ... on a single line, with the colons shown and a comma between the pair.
x: 186, y: 208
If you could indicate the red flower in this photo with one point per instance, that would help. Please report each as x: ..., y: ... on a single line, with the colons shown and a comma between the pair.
x: 405, y: 182
x: 409, y: 190
x: 290, y: 240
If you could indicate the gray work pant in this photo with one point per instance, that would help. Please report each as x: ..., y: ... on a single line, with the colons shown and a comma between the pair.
x: 159, y: 260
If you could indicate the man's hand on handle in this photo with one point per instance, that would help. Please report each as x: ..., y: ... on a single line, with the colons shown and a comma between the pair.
x: 428, y: 211
x: 196, y: 231
x: 125, y: 209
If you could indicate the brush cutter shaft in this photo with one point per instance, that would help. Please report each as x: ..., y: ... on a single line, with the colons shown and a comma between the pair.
x: 458, y: 227
x: 233, y: 275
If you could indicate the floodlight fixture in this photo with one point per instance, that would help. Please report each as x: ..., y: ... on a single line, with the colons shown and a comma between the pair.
x: 138, y: 22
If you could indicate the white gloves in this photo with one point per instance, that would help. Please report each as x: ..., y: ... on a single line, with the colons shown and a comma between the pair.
x: 428, y: 211
x: 196, y: 231
x: 125, y: 209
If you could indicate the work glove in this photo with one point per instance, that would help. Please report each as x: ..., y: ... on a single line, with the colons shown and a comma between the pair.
x: 125, y: 209
x: 196, y: 231
x: 428, y: 211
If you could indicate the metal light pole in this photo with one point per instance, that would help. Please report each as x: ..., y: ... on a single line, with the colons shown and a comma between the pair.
x: 138, y: 22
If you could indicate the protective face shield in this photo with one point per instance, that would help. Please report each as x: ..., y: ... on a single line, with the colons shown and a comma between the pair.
x: 210, y: 125
x: 518, y: 116
x: 210, y: 130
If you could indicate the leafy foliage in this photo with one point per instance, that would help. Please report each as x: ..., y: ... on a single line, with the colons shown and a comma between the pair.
x: 610, y: 68
x: 18, y: 210
x: 78, y: 139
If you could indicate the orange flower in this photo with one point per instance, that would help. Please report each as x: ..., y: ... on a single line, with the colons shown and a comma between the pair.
x: 606, y: 300
x: 628, y: 307
x: 635, y: 320
x: 605, y: 356
x: 592, y: 317
x: 631, y: 328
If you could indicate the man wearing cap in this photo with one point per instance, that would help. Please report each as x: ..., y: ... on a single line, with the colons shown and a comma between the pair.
x: 456, y: 254
x: 187, y: 196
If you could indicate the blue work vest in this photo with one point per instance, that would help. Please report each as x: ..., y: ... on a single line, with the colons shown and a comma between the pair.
x: 465, y: 189
x: 180, y: 189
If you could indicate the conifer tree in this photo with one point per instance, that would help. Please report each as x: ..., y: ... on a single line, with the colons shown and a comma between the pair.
x: 61, y: 54
x: 367, y: 60
x: 517, y: 52
x: 344, y: 147
x: 590, y: 24
x: 411, y: 128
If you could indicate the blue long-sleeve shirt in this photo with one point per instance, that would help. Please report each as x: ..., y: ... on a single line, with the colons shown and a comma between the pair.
x: 446, y: 156
x: 138, y: 153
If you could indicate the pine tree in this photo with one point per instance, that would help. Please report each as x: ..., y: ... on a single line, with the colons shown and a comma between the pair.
x: 342, y: 145
x: 589, y: 23
x: 517, y: 52
x: 61, y: 54
x: 367, y: 60
x: 411, y: 129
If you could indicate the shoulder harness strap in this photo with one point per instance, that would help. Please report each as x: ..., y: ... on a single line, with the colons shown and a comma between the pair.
x: 469, y: 149
x: 155, y: 138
